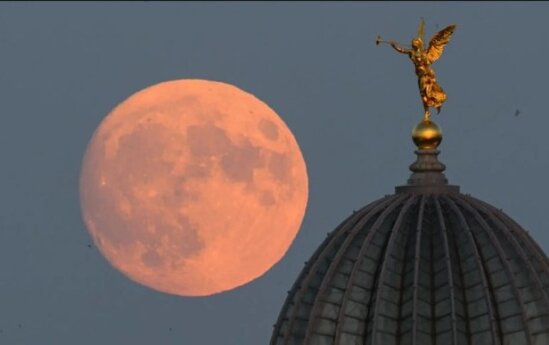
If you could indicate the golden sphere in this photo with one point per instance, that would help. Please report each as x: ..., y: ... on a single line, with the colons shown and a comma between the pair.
x: 427, y: 135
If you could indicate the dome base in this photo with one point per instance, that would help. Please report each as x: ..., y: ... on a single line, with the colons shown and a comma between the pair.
x: 427, y: 189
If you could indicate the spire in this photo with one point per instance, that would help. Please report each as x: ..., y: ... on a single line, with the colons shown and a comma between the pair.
x: 427, y: 172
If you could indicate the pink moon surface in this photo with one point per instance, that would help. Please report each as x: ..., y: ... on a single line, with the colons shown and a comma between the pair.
x: 193, y: 187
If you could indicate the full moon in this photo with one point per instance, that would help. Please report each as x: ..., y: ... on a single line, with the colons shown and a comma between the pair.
x: 193, y: 187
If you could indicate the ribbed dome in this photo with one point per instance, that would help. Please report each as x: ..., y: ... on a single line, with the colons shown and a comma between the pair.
x: 425, y: 266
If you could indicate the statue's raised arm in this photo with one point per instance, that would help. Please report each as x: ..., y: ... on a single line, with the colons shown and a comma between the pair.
x: 396, y: 46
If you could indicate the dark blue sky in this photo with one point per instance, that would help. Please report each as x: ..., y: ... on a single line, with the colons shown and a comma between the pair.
x: 351, y: 106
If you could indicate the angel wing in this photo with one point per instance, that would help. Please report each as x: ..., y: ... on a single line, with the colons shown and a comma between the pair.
x: 437, y: 43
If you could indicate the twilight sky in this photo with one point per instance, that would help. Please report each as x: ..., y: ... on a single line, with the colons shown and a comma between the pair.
x: 351, y: 106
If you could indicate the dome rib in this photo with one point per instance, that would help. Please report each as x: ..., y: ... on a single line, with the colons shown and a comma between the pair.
x: 523, y: 234
x: 508, y: 272
x: 316, y: 316
x: 504, y: 229
x: 455, y: 238
x: 494, y: 329
x: 298, y: 291
x: 406, y: 275
x: 382, y: 285
x: 409, y: 277
x: 351, y: 285
x: 417, y: 258
x: 527, y: 245
x: 449, y: 270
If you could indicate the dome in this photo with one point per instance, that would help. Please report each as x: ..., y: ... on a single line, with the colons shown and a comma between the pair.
x: 426, y: 265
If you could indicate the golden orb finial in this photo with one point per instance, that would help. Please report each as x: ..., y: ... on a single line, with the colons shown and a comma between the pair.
x: 427, y: 135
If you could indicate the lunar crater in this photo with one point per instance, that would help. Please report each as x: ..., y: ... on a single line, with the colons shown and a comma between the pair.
x: 268, y: 129
x: 172, y: 243
x: 239, y: 161
x: 207, y: 140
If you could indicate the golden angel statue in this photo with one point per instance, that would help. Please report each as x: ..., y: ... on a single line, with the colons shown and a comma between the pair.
x: 432, y: 95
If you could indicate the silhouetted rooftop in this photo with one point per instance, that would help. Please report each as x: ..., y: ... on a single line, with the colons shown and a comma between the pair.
x: 427, y: 265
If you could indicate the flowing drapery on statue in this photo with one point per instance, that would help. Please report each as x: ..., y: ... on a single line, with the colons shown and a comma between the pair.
x: 432, y: 94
